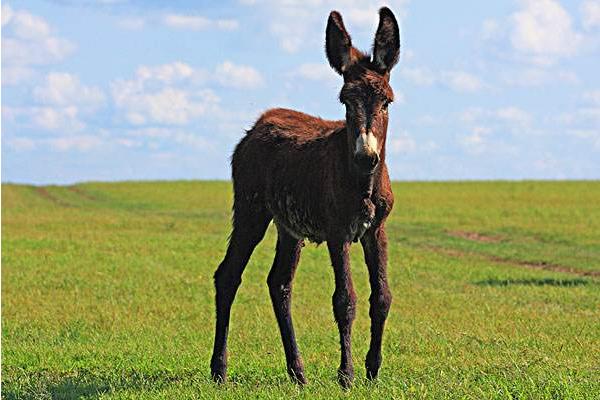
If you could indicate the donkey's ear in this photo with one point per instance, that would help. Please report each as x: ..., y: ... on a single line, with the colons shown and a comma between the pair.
x: 386, y: 47
x: 338, y: 44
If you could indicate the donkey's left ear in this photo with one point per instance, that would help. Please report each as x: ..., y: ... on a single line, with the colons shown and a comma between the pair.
x: 386, y: 47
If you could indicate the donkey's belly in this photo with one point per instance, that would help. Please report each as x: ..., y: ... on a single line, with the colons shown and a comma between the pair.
x: 303, y: 222
x: 298, y: 220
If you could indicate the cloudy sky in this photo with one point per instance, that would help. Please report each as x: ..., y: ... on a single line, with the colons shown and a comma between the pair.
x: 131, y: 89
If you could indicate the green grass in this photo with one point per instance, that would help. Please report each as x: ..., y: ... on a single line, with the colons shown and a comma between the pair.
x: 107, y: 293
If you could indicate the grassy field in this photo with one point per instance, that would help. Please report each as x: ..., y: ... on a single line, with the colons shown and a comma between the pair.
x: 107, y: 293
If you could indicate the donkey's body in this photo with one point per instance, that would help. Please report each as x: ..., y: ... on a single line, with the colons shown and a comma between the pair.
x: 320, y: 180
x: 296, y: 167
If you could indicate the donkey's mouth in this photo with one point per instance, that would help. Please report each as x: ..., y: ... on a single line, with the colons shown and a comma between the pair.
x: 366, y: 163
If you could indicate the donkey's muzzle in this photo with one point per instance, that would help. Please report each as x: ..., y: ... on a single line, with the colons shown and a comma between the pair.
x: 366, y: 163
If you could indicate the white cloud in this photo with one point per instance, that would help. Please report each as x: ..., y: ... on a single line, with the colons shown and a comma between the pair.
x: 299, y: 23
x: 483, y: 122
x: 535, y: 76
x: 399, y: 97
x: 456, y: 80
x: 172, y: 93
x: 198, y: 23
x: 490, y: 139
x: 590, y: 12
x: 79, y: 142
x: 461, y: 81
x: 7, y: 14
x: 150, y: 137
x: 10, y: 114
x: 23, y: 24
x: 162, y: 94
x: 62, y: 104
x: 291, y: 24
x: 427, y: 120
x: 110, y: 2
x: 542, y: 31
x: 172, y: 135
x: 63, y: 89
x: 588, y: 116
x: 16, y: 74
x: 472, y: 114
x: 513, y: 115
x: 227, y: 24
x: 482, y: 130
x: 131, y: 23
x: 28, y: 40
x: 510, y: 114
x: 187, y: 22
x: 20, y: 144
x: 491, y: 29
x: 238, y: 76
x: 165, y: 106
x: 474, y: 143
x: 179, y: 21
x: 39, y: 51
x: 592, y: 96
x: 402, y: 144
x: 418, y: 76
x: 65, y: 143
x: 170, y: 73
x: 59, y: 119
x: 63, y: 120
x: 591, y: 135
x: 316, y: 72
x: 130, y: 143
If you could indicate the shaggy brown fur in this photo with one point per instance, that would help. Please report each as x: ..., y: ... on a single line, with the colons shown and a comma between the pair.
x: 322, y: 181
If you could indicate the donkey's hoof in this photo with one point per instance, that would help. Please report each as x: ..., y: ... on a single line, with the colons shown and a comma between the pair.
x: 295, y: 370
x: 372, y: 364
x: 218, y: 376
x: 218, y: 371
x: 298, y: 377
x: 372, y: 374
x: 345, y: 378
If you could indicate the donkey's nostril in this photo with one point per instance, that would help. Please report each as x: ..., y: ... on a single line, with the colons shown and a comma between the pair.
x: 366, y: 162
x: 374, y: 160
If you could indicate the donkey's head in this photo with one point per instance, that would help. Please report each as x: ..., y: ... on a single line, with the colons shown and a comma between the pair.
x: 366, y: 92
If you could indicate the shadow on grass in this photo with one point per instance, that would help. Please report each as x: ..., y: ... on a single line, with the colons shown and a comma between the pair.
x: 86, y: 385
x: 69, y: 389
x: 533, y: 282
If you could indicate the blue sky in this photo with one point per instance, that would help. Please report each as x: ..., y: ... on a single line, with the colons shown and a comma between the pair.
x: 126, y: 89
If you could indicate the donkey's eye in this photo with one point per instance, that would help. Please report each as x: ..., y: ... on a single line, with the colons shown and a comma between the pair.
x: 384, y: 106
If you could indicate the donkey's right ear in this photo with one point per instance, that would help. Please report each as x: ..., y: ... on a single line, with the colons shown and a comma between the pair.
x: 338, y: 44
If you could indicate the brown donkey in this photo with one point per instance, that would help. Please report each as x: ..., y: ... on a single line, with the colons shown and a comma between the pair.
x: 323, y: 181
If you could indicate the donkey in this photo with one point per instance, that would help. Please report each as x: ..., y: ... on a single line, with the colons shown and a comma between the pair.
x: 322, y: 181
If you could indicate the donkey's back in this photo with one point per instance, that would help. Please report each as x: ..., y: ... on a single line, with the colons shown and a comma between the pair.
x: 280, y: 132
x: 294, y: 125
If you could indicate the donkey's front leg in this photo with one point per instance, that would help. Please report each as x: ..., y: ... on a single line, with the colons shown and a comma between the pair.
x: 280, y: 287
x: 374, y: 244
x: 344, y: 306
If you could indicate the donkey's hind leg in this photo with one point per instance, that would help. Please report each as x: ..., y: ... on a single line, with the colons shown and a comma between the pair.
x: 249, y: 228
